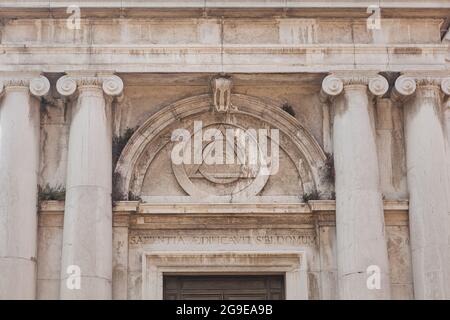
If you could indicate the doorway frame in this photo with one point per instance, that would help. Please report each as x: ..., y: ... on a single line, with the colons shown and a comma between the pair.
x: 290, y: 263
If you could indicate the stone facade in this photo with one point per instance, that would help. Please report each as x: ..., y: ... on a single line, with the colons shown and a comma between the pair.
x: 359, y: 116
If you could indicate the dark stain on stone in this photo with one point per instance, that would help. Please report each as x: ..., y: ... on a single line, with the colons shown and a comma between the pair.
x: 408, y: 50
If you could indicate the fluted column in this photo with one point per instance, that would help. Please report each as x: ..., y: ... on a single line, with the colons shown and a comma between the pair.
x: 427, y: 180
x: 19, y: 163
x: 360, y: 228
x: 87, y: 235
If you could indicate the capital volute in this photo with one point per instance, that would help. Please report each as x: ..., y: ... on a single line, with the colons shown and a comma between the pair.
x: 38, y: 85
x: 111, y: 85
x: 445, y: 86
x: 404, y: 87
x: 334, y: 84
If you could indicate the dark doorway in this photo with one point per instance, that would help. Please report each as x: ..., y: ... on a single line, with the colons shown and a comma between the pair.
x: 261, y: 287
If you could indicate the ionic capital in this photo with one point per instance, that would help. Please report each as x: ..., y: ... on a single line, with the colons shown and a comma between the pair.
x: 407, y: 84
x: 111, y: 84
x: 37, y: 84
x: 334, y: 84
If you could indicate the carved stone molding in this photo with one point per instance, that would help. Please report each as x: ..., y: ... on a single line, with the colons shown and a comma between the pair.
x: 428, y: 81
x: 334, y: 84
x: 222, y: 94
x: 111, y: 85
x: 38, y: 85
x: 16, y: 82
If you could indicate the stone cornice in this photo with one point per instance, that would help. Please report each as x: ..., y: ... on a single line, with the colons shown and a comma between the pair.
x: 225, y: 4
x: 308, y: 58
x: 38, y: 85
x: 167, y: 216
x: 111, y: 84
x: 338, y: 8
x: 125, y: 207
x: 335, y: 83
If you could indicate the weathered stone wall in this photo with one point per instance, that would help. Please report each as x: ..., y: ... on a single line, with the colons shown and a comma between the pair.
x: 296, y: 44
x: 278, y: 54
x: 146, y: 95
x: 160, y: 228
x: 244, y: 31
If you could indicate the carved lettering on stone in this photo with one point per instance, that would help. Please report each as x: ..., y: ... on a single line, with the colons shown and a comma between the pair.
x: 297, y: 239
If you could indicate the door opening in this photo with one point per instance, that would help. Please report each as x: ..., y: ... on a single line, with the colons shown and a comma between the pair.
x: 224, y: 287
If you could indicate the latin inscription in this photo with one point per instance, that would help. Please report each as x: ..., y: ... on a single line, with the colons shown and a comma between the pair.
x: 308, y: 240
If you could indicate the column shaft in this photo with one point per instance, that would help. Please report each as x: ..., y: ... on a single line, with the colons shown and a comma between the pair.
x: 427, y: 183
x: 19, y: 165
x: 86, y: 270
x: 359, y: 206
x: 87, y: 241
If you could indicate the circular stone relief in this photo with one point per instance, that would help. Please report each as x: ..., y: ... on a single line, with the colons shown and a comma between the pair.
x: 226, y: 168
